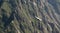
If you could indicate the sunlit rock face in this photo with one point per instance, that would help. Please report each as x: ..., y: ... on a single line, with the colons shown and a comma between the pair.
x: 29, y: 16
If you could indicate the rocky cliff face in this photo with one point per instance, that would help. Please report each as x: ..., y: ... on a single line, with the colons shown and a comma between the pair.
x: 29, y: 16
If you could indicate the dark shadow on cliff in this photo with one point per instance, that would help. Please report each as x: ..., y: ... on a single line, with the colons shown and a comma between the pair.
x: 7, y: 20
x: 1, y: 2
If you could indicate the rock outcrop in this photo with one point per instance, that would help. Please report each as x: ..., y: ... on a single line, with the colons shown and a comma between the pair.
x: 29, y: 16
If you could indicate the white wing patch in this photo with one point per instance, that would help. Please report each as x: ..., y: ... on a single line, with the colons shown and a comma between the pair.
x: 38, y: 18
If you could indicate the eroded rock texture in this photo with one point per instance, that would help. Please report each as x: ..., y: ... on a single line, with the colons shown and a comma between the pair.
x: 29, y: 16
